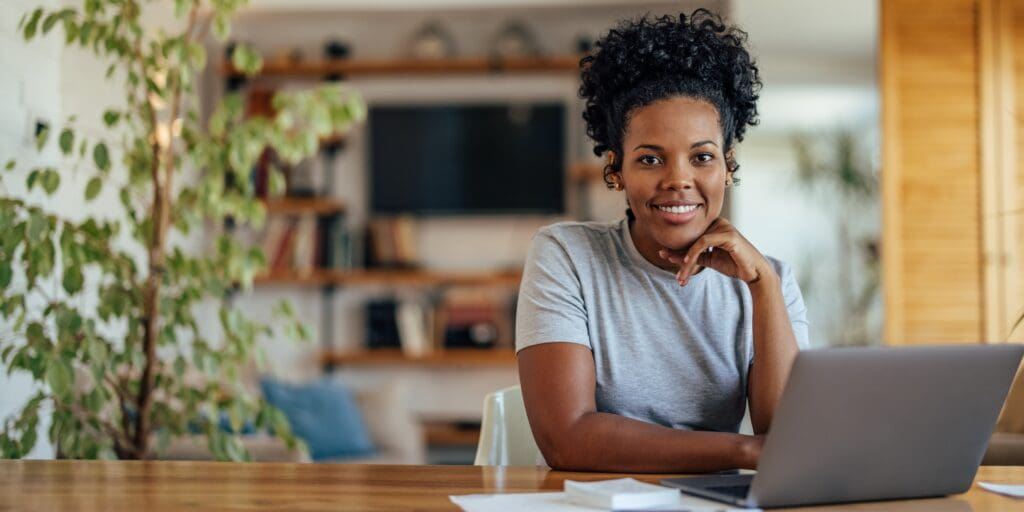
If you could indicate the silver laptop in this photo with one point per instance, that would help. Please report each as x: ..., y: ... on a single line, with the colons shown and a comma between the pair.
x: 860, y: 424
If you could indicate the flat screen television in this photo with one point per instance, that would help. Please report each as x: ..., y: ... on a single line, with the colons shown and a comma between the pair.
x: 453, y: 159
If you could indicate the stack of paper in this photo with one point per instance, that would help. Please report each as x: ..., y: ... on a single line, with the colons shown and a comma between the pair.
x: 561, y: 502
x: 621, y: 494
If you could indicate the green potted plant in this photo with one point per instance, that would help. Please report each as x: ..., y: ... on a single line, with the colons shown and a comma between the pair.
x: 102, y: 311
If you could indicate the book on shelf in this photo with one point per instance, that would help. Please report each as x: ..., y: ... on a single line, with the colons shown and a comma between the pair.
x: 414, y: 330
x: 304, y: 259
x: 381, y: 324
x: 292, y: 243
x: 343, y: 246
x: 392, y: 242
x: 473, y: 317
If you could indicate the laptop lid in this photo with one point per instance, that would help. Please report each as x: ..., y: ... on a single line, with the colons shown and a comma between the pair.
x: 857, y: 424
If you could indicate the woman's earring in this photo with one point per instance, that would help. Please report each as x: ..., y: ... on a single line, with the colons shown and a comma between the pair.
x: 618, y: 186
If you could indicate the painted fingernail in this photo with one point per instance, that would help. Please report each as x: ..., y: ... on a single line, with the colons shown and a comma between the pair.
x: 663, y: 253
x: 686, y: 259
x: 675, y: 260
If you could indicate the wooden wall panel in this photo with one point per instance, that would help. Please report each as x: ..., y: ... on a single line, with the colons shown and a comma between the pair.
x: 930, y: 173
x: 1015, y: 306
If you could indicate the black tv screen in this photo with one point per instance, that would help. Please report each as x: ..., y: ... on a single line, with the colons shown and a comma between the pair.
x: 467, y: 159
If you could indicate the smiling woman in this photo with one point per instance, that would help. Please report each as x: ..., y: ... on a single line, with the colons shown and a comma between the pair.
x: 640, y: 342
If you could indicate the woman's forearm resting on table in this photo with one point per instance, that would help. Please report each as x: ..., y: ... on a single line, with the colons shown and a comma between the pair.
x: 608, y: 442
x: 558, y: 389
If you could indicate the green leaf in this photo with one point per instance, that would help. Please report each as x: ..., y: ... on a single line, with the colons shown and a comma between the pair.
x: 32, y: 178
x: 50, y: 20
x: 59, y: 376
x: 41, y: 138
x: 246, y: 60
x: 10, y: 164
x: 73, y: 279
x: 67, y: 141
x: 70, y: 31
x: 33, y: 23
x: 197, y: 55
x: 101, y: 157
x: 36, y: 225
x: 221, y: 26
x: 51, y: 180
x: 110, y: 118
x: 35, y: 334
x: 276, y: 183
x: 181, y: 7
x: 5, y: 275
x: 93, y: 188
x: 179, y: 366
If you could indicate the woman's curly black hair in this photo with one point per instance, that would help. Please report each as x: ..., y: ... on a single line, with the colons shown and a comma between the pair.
x: 646, y: 60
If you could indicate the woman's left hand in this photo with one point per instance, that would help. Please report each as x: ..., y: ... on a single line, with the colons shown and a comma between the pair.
x: 730, y: 253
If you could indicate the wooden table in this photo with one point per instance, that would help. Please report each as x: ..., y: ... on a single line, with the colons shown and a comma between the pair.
x: 164, y: 486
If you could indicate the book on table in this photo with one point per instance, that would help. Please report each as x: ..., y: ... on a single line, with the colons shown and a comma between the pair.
x: 622, y: 493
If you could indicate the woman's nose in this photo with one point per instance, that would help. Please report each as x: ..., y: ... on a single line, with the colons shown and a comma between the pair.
x: 679, y: 177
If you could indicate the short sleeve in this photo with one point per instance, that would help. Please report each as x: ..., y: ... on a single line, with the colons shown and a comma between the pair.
x: 551, y: 306
x: 795, y: 306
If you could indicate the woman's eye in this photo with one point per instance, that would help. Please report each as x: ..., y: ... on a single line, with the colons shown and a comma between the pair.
x: 704, y: 157
x: 649, y: 160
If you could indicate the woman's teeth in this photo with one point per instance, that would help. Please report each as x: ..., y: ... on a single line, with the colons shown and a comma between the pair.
x: 679, y: 209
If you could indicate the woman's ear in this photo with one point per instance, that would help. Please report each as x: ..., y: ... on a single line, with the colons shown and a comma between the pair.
x: 612, y: 177
x: 730, y: 167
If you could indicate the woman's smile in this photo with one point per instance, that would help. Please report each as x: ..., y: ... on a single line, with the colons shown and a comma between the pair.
x: 676, y: 212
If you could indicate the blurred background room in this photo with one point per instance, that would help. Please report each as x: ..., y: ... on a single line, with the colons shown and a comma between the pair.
x: 399, y: 241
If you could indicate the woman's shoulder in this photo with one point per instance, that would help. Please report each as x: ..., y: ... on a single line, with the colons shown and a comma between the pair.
x: 576, y: 231
x: 578, y: 239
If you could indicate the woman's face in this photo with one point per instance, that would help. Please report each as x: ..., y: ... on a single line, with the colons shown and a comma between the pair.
x: 673, y: 172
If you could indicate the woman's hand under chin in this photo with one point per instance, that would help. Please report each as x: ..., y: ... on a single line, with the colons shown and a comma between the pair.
x: 723, y: 249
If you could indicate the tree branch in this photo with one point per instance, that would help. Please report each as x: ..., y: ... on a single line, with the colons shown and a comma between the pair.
x: 121, y: 444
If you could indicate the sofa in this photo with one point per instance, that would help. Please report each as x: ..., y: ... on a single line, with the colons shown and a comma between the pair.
x: 396, y: 434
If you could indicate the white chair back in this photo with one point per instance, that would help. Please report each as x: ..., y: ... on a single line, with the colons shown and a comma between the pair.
x: 505, y: 436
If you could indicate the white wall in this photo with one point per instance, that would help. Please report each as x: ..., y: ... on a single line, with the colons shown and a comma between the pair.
x: 45, y: 81
x: 30, y: 88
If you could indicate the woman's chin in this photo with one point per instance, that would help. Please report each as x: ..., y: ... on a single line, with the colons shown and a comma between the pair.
x: 676, y: 242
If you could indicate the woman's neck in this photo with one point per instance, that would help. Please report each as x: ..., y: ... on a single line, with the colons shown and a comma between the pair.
x: 648, y: 249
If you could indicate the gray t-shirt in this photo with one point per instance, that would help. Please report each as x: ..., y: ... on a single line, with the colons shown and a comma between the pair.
x: 673, y: 355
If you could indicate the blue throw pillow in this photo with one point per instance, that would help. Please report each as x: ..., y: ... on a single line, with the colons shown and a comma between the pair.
x: 324, y: 414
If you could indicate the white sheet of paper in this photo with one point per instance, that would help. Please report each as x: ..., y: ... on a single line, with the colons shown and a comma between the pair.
x: 556, y: 502
x: 1017, y: 491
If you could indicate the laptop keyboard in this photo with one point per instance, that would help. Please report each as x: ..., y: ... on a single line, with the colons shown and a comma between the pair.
x: 739, y: 491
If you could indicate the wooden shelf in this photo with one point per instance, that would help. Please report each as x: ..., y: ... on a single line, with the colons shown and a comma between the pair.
x: 438, y: 358
x: 448, y: 434
x: 352, y: 67
x: 299, y: 205
x: 588, y: 171
x: 334, y: 139
x: 391, y: 278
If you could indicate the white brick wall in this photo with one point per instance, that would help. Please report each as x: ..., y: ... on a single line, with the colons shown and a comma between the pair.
x: 29, y: 89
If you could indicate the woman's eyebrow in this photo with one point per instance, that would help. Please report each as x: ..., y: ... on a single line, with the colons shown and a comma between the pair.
x: 656, y: 147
